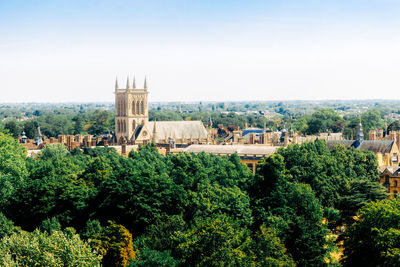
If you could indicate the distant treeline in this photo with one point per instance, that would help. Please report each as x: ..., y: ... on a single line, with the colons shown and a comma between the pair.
x: 99, y: 119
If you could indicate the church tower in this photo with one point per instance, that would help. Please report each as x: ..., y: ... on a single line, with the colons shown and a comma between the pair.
x: 131, y: 112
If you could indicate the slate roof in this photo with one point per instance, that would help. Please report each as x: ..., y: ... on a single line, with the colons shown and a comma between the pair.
x: 376, y: 146
x: 241, y: 150
x: 175, y: 129
x: 252, y: 130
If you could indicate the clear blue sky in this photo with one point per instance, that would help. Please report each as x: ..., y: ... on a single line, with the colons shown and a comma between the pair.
x: 52, y: 51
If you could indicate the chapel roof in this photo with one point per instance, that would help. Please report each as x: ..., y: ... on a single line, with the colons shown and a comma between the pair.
x: 177, y: 129
x: 376, y: 146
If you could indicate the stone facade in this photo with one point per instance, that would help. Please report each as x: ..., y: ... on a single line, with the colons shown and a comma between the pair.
x: 131, y: 111
x: 132, y: 121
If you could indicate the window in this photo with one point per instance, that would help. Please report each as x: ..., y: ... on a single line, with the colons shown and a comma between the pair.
x: 395, y: 184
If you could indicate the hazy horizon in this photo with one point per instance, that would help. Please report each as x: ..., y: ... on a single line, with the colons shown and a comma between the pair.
x: 71, y: 51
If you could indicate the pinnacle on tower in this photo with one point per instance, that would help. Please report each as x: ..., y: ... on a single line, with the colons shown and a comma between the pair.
x: 360, y: 134
x: 116, y: 83
x: 145, y: 82
x: 155, y: 135
x: 128, y: 86
x: 134, y: 83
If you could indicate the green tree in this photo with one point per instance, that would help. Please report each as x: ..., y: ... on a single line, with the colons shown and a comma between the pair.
x: 30, y: 129
x: 324, y: 120
x: 214, y: 241
x: 53, y: 151
x: 13, y: 171
x: 374, y: 240
x: 44, y: 249
x: 6, y: 226
x: 154, y: 258
x: 394, y: 126
x: 13, y: 128
x: 78, y: 124
x: 267, y: 249
x: 100, y: 123
x: 293, y: 210
x: 212, y: 199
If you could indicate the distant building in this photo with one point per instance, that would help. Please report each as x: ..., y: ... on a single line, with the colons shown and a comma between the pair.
x: 132, y: 121
x: 390, y: 179
x: 386, y: 151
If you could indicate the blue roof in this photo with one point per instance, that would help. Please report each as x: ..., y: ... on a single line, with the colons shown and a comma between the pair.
x: 254, y: 130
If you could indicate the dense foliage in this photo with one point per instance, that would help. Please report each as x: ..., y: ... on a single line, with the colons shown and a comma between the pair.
x: 180, y: 209
x: 374, y: 240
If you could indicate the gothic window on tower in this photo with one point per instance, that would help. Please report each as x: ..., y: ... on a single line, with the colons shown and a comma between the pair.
x: 133, y: 107
x: 133, y: 125
x: 137, y: 107
x: 142, y: 107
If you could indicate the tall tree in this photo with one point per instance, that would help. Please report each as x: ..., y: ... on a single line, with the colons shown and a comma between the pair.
x: 374, y: 240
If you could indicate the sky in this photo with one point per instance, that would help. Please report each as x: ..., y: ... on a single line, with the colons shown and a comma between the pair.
x: 200, y: 50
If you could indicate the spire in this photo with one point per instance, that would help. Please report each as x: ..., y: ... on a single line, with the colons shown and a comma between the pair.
x: 145, y: 82
x: 128, y: 86
x: 134, y: 83
x: 155, y: 135
x: 360, y: 134
x: 116, y: 84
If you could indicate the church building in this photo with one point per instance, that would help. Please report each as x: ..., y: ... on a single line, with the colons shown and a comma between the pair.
x: 132, y: 121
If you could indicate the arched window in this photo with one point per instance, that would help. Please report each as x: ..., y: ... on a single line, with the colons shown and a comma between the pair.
x: 124, y: 123
x: 142, y: 107
x: 118, y: 126
x: 133, y: 125
x: 137, y: 107
x: 133, y: 107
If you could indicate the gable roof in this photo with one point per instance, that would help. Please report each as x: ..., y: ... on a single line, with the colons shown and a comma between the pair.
x: 175, y: 129
x: 377, y: 146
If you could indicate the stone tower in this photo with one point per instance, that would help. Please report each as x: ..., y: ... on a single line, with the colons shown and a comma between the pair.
x: 131, y: 112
